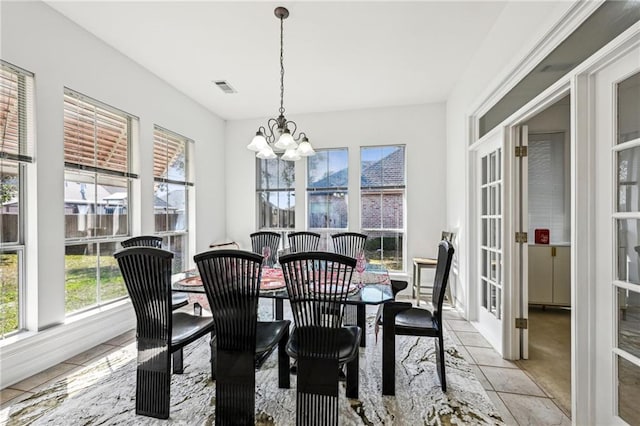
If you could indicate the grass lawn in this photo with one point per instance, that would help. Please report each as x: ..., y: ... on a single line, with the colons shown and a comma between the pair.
x: 8, y: 293
x: 81, y: 281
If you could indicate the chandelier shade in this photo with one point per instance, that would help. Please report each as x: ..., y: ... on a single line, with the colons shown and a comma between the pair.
x: 281, y: 135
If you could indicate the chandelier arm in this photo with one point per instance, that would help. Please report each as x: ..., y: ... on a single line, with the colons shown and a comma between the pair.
x: 272, y: 124
x: 292, y: 130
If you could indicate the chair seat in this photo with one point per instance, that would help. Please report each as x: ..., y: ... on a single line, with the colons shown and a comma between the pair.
x: 178, y: 300
x: 348, y: 341
x: 268, y: 334
x: 416, y: 322
x: 187, y: 328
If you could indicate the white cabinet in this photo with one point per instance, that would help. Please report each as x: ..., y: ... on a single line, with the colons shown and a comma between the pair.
x: 550, y: 275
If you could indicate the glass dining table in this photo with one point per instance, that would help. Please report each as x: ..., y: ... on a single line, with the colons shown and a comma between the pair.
x: 370, y: 287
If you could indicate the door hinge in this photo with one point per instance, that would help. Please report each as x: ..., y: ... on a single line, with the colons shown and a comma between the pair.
x: 521, y: 151
x: 521, y: 323
x: 521, y: 237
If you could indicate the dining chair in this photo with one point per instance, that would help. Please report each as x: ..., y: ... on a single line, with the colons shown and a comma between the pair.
x: 420, y: 263
x: 303, y: 241
x: 178, y: 300
x: 349, y: 243
x: 160, y: 332
x: 231, y: 280
x: 262, y: 239
x: 401, y: 319
x: 319, y: 342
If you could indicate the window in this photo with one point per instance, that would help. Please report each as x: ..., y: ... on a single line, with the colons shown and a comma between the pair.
x: 275, y: 194
x: 97, y: 189
x: 382, y: 195
x: 16, y: 154
x: 171, y: 194
x: 327, y: 183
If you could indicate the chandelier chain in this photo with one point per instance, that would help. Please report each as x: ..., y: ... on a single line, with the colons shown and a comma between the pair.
x: 281, y: 65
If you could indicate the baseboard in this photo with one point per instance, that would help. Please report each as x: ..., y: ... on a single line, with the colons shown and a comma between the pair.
x: 38, y: 351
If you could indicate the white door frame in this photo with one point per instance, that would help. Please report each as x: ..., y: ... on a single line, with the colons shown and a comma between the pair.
x: 579, y: 84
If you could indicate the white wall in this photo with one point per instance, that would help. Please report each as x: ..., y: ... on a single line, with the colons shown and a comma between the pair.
x: 61, y: 54
x: 421, y: 128
x: 492, y: 64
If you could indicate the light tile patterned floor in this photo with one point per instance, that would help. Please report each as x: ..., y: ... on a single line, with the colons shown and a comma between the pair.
x: 519, y: 400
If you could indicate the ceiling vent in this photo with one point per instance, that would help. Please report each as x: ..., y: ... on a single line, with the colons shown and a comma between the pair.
x: 225, y: 87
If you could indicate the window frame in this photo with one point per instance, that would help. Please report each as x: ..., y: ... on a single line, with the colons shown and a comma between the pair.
x: 389, y: 189
x: 99, y: 174
x: 189, y: 186
x: 23, y: 159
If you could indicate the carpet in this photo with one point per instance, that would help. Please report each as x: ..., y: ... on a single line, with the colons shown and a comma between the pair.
x: 103, y: 393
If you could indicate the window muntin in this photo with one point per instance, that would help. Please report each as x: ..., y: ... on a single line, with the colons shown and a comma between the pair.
x: 275, y: 194
x: 171, y: 193
x: 382, y: 201
x: 16, y: 154
x: 97, y: 191
x: 327, y: 201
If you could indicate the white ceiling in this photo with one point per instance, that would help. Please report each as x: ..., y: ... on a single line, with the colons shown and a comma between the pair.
x: 337, y: 55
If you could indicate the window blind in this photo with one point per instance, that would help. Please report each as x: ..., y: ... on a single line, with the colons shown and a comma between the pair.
x: 96, y: 137
x: 16, y: 113
x: 169, y: 157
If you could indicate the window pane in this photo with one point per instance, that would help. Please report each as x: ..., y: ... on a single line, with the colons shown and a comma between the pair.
x: 9, y: 292
x: 169, y: 150
x: 628, y: 176
x: 328, y: 209
x: 9, y: 202
x: 329, y: 169
x: 628, y: 252
x: 80, y: 205
x: 178, y: 245
x: 276, y: 209
x: 629, y: 321
x: 628, y: 391
x: 111, y: 281
x: 385, y: 248
x: 392, y: 210
x: 382, y: 166
x: 275, y: 174
x: 371, y: 207
x: 113, y: 208
x: 81, y: 280
x: 160, y: 207
x: 629, y: 109
x: 176, y: 207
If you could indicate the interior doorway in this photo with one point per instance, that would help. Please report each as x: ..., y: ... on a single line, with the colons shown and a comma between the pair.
x: 546, y: 192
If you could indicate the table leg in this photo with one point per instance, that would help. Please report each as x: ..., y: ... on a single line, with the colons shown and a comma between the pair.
x: 279, y: 308
x: 362, y: 323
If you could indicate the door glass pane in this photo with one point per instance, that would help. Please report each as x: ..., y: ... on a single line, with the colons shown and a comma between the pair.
x: 628, y: 177
x: 629, y: 109
x: 629, y: 321
x: 628, y: 252
x: 484, y: 170
x: 628, y: 391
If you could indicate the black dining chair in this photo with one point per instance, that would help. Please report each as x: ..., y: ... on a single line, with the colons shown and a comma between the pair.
x: 319, y: 342
x: 400, y: 318
x: 178, y: 300
x: 262, y: 239
x: 160, y: 333
x: 303, y: 241
x: 231, y: 280
x: 349, y: 243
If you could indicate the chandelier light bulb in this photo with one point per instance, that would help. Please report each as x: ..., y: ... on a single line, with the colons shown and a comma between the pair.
x: 258, y: 143
x: 305, y: 149
x: 285, y: 141
x: 291, y: 154
x: 266, y: 153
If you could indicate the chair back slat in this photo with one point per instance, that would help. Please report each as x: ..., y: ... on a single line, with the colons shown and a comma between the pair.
x: 349, y: 243
x: 445, y: 256
x: 318, y: 284
x: 231, y: 280
x: 143, y: 241
x: 266, y: 239
x: 303, y: 241
x: 147, y: 275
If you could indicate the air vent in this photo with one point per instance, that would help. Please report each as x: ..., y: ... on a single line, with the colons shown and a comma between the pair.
x: 556, y: 67
x: 225, y: 87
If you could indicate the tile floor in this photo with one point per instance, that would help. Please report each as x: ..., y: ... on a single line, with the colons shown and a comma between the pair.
x: 519, y: 400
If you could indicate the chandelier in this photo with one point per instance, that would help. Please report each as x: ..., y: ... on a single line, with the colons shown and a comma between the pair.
x: 280, y: 132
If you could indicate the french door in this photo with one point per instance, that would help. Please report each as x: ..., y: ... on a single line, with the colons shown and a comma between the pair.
x: 490, y: 225
x: 617, y: 239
